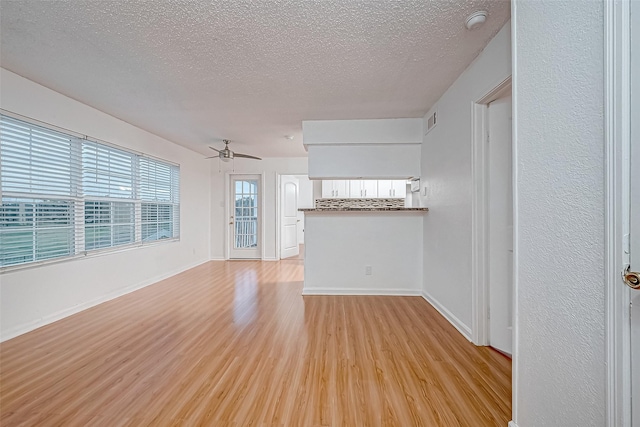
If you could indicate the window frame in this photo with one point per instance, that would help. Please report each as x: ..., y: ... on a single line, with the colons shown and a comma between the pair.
x: 79, y: 199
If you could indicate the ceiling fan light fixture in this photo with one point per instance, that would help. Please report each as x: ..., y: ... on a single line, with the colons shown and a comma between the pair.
x: 226, y: 154
x: 476, y: 19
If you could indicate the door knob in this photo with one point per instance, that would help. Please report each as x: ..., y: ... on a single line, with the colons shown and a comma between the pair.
x: 231, y: 223
x: 631, y: 278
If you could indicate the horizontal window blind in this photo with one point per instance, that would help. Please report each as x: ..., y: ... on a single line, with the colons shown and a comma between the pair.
x: 107, y: 172
x: 34, y: 230
x: 63, y: 196
x: 38, y: 174
x: 159, y: 192
x: 108, y: 224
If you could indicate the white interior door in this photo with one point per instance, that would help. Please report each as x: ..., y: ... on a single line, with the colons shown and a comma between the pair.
x: 245, y: 217
x: 634, y: 226
x: 289, y: 186
x: 500, y: 198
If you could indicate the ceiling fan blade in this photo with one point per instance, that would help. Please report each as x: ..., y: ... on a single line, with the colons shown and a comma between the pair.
x: 212, y: 157
x: 215, y: 149
x: 246, y: 156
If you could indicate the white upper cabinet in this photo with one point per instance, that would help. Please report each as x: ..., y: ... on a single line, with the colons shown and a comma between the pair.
x: 363, y: 188
x: 396, y: 189
x: 335, y: 188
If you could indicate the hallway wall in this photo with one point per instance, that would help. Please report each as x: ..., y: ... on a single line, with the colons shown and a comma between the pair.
x: 559, y: 362
x: 446, y: 175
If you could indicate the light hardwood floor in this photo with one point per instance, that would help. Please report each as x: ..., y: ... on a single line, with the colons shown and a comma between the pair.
x: 235, y: 344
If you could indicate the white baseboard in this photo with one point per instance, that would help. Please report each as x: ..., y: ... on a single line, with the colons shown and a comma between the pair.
x: 53, y: 317
x: 359, y: 291
x: 512, y: 424
x: 457, y: 323
x: 217, y: 259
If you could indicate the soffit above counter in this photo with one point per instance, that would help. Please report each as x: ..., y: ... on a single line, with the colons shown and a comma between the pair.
x: 355, y: 132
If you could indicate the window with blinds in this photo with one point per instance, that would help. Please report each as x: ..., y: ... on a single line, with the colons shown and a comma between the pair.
x: 159, y: 193
x: 64, y: 196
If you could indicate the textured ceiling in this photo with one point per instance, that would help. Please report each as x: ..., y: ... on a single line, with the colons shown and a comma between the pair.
x: 198, y: 71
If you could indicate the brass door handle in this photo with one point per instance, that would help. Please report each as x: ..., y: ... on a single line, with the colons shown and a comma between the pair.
x: 631, y: 278
x: 230, y: 223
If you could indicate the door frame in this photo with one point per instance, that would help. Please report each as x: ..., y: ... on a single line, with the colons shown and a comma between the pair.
x: 617, y: 113
x: 480, y: 214
x: 279, y: 209
x: 227, y: 205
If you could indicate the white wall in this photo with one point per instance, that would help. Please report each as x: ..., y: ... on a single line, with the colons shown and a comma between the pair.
x: 271, y: 167
x: 446, y: 173
x: 305, y: 192
x: 558, y: 93
x: 36, y: 296
x: 364, y: 161
x: 340, y: 244
x: 375, y: 131
x: 355, y: 149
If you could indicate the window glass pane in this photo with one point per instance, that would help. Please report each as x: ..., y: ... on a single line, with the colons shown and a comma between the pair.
x: 32, y: 230
x: 108, y: 224
x: 157, y: 221
x: 106, y: 171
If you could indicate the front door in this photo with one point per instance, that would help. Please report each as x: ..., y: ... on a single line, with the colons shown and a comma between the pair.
x: 500, y: 198
x: 289, y: 186
x: 244, y: 217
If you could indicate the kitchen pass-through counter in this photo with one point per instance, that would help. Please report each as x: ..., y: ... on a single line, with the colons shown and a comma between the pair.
x: 356, y: 248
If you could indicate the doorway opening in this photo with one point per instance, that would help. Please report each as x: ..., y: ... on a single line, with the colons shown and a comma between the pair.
x: 492, y: 220
x: 295, y: 191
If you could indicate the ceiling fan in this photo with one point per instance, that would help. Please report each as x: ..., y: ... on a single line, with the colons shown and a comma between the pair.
x: 226, y: 154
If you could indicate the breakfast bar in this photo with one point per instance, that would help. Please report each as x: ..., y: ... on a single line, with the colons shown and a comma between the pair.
x: 363, y: 249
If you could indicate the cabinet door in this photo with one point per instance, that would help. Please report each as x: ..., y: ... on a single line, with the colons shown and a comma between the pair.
x: 385, y: 188
x: 327, y: 189
x: 400, y: 189
x: 341, y: 187
x: 370, y: 188
x: 355, y: 188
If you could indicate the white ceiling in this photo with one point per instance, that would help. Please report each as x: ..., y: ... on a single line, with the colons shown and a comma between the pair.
x: 195, y: 72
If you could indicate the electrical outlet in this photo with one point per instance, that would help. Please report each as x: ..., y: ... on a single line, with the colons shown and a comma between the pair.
x: 367, y: 270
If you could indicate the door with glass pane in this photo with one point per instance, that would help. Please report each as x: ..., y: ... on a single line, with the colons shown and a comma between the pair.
x: 244, y: 217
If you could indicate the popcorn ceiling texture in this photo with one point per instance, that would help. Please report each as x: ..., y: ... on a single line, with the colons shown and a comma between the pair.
x: 250, y: 71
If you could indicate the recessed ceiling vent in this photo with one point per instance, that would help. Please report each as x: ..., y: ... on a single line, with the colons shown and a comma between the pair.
x: 431, y: 122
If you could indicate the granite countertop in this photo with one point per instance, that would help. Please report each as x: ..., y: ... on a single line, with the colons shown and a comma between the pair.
x: 363, y: 209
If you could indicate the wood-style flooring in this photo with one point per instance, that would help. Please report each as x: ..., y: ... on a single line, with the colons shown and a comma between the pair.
x: 235, y: 344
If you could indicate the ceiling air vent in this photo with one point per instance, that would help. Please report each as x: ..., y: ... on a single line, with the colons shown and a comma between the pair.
x: 431, y: 122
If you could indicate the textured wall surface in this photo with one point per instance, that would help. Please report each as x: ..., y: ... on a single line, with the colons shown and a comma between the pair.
x: 446, y: 173
x: 560, y: 213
